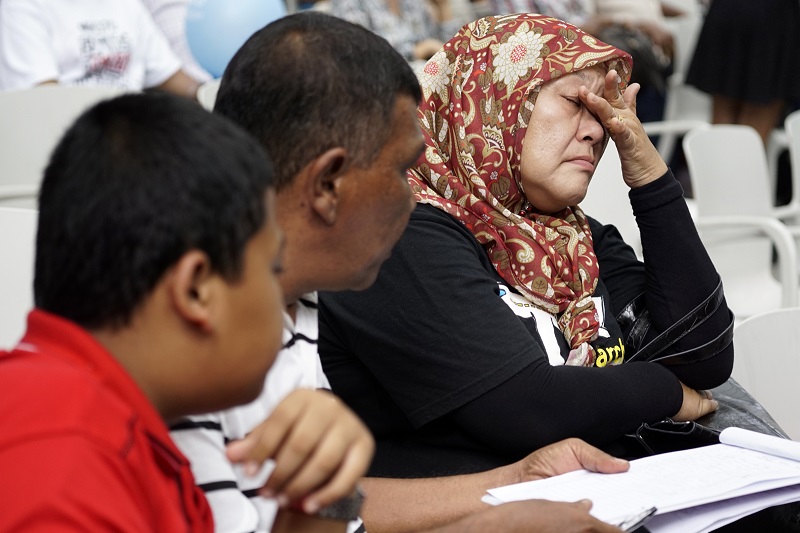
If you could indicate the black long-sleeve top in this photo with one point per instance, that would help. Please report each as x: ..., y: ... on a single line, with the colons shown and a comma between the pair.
x: 455, y: 373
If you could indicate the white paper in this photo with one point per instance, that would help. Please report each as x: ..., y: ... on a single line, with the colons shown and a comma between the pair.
x: 761, y: 442
x: 671, y: 482
x: 715, y: 515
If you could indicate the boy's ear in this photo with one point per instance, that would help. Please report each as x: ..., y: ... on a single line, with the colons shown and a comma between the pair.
x: 192, y: 289
x: 325, y: 173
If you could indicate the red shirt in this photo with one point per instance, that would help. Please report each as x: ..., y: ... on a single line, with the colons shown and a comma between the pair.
x: 81, y: 447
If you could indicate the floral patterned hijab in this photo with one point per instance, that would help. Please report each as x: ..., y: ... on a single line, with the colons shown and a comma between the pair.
x: 478, y: 95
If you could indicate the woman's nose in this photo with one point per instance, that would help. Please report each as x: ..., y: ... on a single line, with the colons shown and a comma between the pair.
x: 590, y: 128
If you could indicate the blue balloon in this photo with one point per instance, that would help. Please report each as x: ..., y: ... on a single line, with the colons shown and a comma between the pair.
x: 216, y: 29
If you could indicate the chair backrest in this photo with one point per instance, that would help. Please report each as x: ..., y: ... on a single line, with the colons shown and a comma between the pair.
x: 607, y: 199
x: 792, y: 128
x: 34, y: 121
x: 729, y: 172
x: 767, y: 363
x: 730, y: 180
x: 17, y: 246
x: 207, y: 93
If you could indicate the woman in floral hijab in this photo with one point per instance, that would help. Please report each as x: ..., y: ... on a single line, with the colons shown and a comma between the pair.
x: 475, y: 128
x: 484, y: 333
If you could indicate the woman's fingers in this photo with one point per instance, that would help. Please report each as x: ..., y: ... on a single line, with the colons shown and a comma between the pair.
x: 630, y: 94
x: 641, y: 162
x: 611, y: 91
x: 695, y: 404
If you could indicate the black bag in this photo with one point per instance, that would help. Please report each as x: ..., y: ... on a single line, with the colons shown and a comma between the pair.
x: 737, y: 408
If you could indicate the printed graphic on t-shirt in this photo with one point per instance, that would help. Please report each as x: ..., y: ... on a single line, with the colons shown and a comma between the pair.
x: 609, y: 350
x: 546, y: 324
x: 106, y: 53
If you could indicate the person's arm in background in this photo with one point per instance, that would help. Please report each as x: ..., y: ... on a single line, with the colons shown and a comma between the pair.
x: 181, y: 84
x: 162, y: 66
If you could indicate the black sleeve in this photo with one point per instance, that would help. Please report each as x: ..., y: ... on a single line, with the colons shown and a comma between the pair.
x: 598, y: 405
x: 677, y: 275
x: 431, y: 329
x: 435, y: 334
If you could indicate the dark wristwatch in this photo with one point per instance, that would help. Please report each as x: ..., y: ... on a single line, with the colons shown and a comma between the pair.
x: 345, y: 509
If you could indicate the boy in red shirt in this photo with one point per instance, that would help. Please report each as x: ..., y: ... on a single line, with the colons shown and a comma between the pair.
x: 156, y: 297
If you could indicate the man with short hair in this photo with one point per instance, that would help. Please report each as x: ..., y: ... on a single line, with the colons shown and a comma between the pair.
x: 156, y: 297
x: 335, y: 107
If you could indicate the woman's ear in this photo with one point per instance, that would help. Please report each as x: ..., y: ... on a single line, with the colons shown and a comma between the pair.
x: 326, y: 173
x: 192, y: 289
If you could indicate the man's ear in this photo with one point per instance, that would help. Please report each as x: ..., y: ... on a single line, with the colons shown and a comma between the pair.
x: 191, y: 289
x: 325, y: 173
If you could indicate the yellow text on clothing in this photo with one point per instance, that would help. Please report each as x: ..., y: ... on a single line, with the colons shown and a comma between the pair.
x: 610, y: 355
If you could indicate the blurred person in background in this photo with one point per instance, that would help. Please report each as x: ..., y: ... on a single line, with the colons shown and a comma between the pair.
x: 88, y: 43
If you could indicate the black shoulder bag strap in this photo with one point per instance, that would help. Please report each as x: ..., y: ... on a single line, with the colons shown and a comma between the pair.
x: 636, y: 316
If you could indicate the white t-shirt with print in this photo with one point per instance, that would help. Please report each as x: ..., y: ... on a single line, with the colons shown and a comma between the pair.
x: 82, y: 42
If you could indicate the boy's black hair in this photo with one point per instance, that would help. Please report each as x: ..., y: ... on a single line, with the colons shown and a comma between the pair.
x: 135, y: 183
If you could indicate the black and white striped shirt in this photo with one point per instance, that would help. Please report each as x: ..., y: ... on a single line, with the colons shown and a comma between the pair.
x: 202, y: 439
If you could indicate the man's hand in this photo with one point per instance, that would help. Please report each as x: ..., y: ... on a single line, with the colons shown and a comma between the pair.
x: 320, y: 448
x: 565, y: 456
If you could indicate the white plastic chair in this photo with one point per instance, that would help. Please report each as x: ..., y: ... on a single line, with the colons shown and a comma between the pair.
x: 207, y: 93
x: 607, y: 199
x: 791, y: 211
x: 730, y: 180
x: 17, y: 242
x: 33, y: 122
x: 19, y: 195
x: 767, y: 363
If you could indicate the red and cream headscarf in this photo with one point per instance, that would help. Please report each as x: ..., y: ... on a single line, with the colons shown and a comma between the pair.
x: 478, y: 94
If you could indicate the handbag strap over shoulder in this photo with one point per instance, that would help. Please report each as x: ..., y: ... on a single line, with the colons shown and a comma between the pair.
x: 636, y: 314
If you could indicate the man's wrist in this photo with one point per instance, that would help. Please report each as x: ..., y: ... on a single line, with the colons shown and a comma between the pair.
x: 345, y: 509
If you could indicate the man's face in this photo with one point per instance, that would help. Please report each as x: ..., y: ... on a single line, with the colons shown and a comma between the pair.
x: 251, y: 316
x: 377, y: 201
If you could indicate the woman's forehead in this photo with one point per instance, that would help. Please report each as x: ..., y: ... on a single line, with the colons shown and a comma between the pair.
x: 592, y: 78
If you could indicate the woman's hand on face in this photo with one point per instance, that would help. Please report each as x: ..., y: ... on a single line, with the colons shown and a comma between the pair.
x: 696, y: 403
x: 641, y: 162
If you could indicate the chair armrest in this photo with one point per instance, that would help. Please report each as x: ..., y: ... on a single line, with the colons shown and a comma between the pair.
x: 9, y: 192
x: 672, y: 126
x: 780, y: 236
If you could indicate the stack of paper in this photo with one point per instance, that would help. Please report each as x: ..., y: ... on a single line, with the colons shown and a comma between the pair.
x: 694, y: 490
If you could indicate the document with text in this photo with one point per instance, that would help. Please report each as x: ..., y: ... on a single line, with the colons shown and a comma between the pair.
x: 694, y: 490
